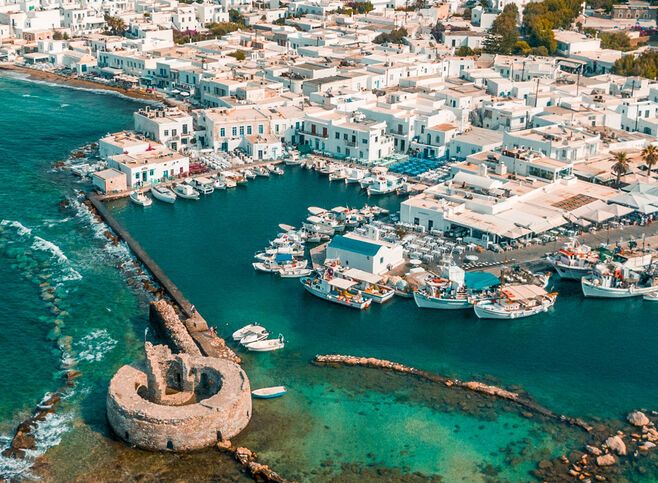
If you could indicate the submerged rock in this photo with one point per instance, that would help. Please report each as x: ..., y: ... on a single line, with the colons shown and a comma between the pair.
x: 606, y: 460
x: 616, y: 444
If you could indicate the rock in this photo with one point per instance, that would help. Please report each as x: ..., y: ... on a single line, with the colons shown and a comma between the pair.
x: 606, y: 460
x: 638, y: 418
x: 616, y: 444
x: 647, y: 446
x: 544, y: 464
x: 225, y: 444
x: 593, y: 450
x: 599, y: 477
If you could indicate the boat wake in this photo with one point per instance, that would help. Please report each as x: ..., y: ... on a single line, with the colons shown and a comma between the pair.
x: 94, y: 346
x: 47, y: 433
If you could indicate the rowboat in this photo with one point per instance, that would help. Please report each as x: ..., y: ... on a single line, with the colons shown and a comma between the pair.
x: 267, y: 345
x: 269, y: 392
x: 254, y: 328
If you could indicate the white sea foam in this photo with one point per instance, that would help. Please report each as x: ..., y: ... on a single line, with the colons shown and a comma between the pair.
x: 70, y: 274
x: 94, y: 346
x: 21, y: 229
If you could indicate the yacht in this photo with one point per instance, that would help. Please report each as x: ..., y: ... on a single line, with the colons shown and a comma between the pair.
x: 574, y: 260
x: 515, y: 302
x: 337, y: 290
x: 615, y: 280
x: 140, y: 199
x: 164, y: 194
x: 185, y: 191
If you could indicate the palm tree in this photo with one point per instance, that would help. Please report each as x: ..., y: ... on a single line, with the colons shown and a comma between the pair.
x: 650, y: 156
x: 621, y: 165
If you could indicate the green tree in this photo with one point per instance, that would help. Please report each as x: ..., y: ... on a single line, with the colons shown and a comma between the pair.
x: 615, y: 41
x: 522, y: 48
x: 650, y: 156
x: 503, y: 34
x: 540, y: 34
x: 115, y: 25
x: 464, y: 51
x: 238, y: 55
x: 361, y: 7
x: 644, y: 65
x: 395, y: 36
x: 621, y: 165
x: 234, y: 16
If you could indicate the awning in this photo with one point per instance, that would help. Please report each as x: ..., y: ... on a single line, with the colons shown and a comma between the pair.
x: 283, y: 257
x: 362, y: 276
x: 341, y: 283
x: 480, y: 280
x: 523, y: 292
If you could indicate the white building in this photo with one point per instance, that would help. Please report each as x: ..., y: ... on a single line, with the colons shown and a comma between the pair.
x: 367, y: 254
x: 171, y: 126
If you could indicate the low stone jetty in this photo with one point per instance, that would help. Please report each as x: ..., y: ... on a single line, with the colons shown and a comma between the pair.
x: 164, y: 317
x: 475, y: 386
x: 248, y: 460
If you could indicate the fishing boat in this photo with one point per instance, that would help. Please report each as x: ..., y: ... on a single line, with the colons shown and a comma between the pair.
x: 203, y: 185
x: 369, y: 284
x: 615, y: 280
x: 355, y: 175
x: 254, y: 328
x: 262, y: 171
x: 366, y: 181
x: 252, y: 337
x: 267, y: 345
x: 140, y: 199
x: 574, y: 260
x: 218, y: 184
x: 186, y: 192
x: 269, y: 392
x: 294, y: 272
x: 337, y: 290
x: 282, y: 261
x: 385, y: 184
x: 452, y: 288
x: 249, y: 174
x: 515, y: 302
x: 164, y: 194
x: 278, y: 171
x: 338, y: 175
x: 327, y: 168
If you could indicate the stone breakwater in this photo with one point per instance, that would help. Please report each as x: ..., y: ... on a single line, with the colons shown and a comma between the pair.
x: 475, y: 386
x: 248, y: 460
x: 164, y: 317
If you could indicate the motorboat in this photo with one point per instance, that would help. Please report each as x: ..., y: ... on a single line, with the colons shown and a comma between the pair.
x: 203, y: 185
x: 249, y: 174
x: 164, y: 194
x: 186, y: 192
x: 615, y: 280
x: 327, y: 168
x: 651, y: 296
x: 269, y: 392
x: 574, y: 260
x: 254, y: 328
x: 254, y: 337
x: 338, y: 175
x: 219, y: 184
x: 515, y: 302
x: 355, y: 175
x: 337, y: 290
x: 366, y: 181
x: 281, y: 261
x: 385, y: 184
x: 140, y: 199
x: 294, y: 272
x: 277, y: 170
x: 267, y: 345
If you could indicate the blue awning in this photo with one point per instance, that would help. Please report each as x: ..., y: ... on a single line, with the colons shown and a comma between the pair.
x: 480, y: 280
x: 283, y: 257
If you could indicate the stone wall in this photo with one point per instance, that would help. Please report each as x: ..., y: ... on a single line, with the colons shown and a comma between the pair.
x: 187, y: 426
x: 164, y: 316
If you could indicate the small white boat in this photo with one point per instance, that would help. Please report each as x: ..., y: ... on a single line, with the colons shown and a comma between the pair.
x: 337, y: 290
x: 203, y: 185
x: 262, y: 171
x: 252, y: 337
x: 267, y: 345
x: 218, y: 184
x: 140, y: 199
x: 516, y: 302
x: 651, y: 297
x: 615, y: 280
x: 294, y: 272
x: 185, y: 191
x: 277, y: 170
x: 249, y: 174
x: 164, y: 194
x: 254, y: 328
x: 269, y: 392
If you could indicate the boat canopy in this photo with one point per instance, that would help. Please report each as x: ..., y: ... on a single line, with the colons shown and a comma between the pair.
x: 283, y: 257
x: 314, y: 210
x: 480, y: 280
x: 523, y: 292
x: 341, y: 283
x: 362, y: 276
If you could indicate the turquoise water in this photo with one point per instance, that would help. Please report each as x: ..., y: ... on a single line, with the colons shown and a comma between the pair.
x: 586, y: 358
x: 64, y: 303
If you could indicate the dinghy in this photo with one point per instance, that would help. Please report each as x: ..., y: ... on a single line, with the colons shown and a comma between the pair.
x: 267, y: 345
x: 252, y: 337
x: 269, y: 392
x: 140, y: 199
x: 254, y: 328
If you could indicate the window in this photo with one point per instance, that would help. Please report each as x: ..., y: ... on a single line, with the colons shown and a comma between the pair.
x: 261, y: 129
x: 381, y: 259
x: 337, y: 135
x: 166, y: 132
x: 249, y: 130
x: 222, y: 132
x: 241, y: 130
x: 184, y: 128
x: 234, y: 131
x: 173, y: 132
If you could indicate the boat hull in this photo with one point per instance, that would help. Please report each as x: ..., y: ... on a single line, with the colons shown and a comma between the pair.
x: 337, y: 300
x: 487, y: 311
x: 425, y: 302
x: 567, y: 272
x: 164, y: 197
x: 596, y: 291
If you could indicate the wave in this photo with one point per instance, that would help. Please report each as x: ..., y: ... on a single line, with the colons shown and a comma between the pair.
x: 48, y: 433
x: 95, y: 345
x: 70, y: 274
x: 20, y: 228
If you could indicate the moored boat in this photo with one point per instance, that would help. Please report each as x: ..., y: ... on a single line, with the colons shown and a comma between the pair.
x: 164, y: 194
x: 186, y: 192
x: 615, y: 280
x: 515, y: 302
x: 254, y: 328
x: 337, y: 290
x: 269, y: 392
x: 294, y: 272
x: 267, y: 345
x: 574, y: 260
x: 252, y: 337
x: 140, y: 199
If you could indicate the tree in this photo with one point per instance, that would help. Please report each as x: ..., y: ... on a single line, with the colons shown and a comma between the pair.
x: 621, y: 165
x: 615, y: 41
x: 361, y: 7
x: 650, y: 156
x: 522, y: 47
x: 464, y: 51
x: 238, y: 55
x: 644, y: 65
x: 540, y: 18
x: 115, y: 25
x: 395, y: 36
x: 503, y: 34
x: 234, y: 16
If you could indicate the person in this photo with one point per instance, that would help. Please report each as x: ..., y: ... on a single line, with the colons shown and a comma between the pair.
x: 193, y: 309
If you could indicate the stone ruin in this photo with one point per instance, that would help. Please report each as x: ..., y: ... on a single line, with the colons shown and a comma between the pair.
x: 178, y: 402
